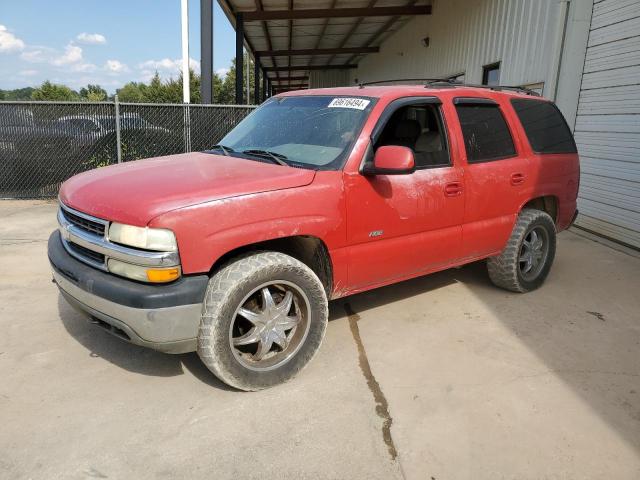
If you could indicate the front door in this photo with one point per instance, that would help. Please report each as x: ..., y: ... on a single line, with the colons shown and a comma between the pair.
x: 400, y: 226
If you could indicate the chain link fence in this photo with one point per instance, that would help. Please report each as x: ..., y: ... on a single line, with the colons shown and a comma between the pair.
x: 44, y: 143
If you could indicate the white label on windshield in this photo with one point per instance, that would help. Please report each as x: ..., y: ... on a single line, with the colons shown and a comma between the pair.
x: 357, y: 103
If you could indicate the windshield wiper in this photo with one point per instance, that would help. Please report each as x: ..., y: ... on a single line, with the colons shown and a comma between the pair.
x: 276, y: 157
x: 224, y: 149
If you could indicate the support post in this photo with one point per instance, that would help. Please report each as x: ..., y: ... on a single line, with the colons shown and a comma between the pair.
x: 248, y: 78
x: 264, y: 85
x: 206, y: 51
x: 256, y: 81
x: 239, y: 57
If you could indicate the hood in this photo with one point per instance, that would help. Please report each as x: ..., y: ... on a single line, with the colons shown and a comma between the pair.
x: 136, y: 192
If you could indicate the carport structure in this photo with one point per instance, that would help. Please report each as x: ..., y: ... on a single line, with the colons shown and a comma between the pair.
x: 295, y: 41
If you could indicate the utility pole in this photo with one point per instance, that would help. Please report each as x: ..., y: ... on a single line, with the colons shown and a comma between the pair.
x: 186, y: 78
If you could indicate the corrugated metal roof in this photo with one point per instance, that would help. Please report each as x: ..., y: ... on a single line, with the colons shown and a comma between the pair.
x: 315, y: 33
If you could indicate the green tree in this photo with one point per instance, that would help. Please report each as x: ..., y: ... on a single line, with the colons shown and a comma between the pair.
x: 159, y: 91
x: 227, y: 89
x: 52, y: 91
x: 132, y: 92
x: 93, y: 93
x: 18, y: 94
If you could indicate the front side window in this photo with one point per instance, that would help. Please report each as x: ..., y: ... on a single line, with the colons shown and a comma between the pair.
x: 420, y: 128
x: 485, y: 132
x: 307, y: 131
x: 544, y: 126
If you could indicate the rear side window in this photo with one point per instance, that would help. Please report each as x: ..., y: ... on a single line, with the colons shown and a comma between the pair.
x: 545, y: 126
x: 485, y: 132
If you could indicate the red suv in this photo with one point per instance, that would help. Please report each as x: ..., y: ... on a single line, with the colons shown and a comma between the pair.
x: 234, y: 252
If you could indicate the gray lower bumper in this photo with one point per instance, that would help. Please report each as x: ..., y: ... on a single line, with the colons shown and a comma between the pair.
x: 170, y: 329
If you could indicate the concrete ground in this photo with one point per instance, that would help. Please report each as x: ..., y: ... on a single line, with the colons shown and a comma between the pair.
x: 442, y: 377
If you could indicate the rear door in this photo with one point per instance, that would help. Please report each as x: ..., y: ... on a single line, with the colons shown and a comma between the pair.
x: 496, y: 177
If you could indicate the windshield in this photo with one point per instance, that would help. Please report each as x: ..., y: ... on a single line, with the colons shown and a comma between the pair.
x: 309, y: 131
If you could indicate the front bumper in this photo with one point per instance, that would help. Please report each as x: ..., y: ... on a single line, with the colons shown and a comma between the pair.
x: 161, y: 317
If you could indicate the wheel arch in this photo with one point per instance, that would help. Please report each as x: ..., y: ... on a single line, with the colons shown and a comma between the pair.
x: 545, y: 203
x: 309, y: 249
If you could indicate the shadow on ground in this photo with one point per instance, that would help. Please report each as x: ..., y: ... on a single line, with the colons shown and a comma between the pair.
x: 583, y: 324
x: 127, y: 356
x: 590, y: 342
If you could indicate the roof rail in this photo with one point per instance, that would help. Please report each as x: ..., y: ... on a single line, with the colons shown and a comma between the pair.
x: 498, y: 88
x: 427, y: 80
x: 449, y: 82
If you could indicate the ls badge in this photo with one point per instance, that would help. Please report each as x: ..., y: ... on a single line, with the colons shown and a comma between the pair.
x: 376, y: 233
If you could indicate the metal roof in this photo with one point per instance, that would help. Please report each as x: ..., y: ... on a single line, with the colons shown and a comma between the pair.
x: 292, y: 37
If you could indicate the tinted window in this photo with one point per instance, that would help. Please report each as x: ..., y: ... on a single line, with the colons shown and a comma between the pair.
x: 545, y: 127
x: 485, y: 132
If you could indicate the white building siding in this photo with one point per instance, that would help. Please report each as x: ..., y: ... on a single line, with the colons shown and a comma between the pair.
x: 467, y: 34
x: 607, y: 127
x: 328, y: 78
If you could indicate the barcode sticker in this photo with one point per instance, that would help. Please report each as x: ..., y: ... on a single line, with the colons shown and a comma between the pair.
x: 357, y: 103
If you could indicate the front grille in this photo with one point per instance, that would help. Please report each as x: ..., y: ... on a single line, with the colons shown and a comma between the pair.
x: 83, y: 223
x: 86, y: 253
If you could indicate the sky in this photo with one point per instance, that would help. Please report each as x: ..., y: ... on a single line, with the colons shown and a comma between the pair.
x: 76, y: 42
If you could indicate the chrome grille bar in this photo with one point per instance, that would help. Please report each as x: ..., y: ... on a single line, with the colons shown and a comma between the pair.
x: 78, y: 235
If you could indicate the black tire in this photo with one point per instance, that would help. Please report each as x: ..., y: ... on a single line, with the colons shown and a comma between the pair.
x: 506, y: 269
x: 225, y: 294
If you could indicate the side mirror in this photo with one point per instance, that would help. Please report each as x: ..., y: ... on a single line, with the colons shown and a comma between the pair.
x: 391, y: 160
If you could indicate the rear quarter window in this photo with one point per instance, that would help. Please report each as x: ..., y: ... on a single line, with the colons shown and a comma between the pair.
x: 544, y: 126
x: 485, y: 132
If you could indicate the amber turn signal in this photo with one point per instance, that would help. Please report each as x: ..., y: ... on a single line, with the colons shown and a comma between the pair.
x: 163, y: 275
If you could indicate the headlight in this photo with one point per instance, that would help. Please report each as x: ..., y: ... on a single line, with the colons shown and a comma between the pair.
x: 143, y: 274
x: 143, y: 237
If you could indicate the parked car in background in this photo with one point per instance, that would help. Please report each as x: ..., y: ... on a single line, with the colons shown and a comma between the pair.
x: 98, y: 125
x: 23, y: 140
x: 235, y: 252
x: 96, y: 136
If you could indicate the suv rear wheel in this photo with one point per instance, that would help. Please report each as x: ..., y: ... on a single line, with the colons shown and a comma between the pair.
x: 263, y: 318
x: 526, y: 260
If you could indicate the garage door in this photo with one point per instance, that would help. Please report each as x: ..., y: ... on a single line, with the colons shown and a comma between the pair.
x: 608, y: 123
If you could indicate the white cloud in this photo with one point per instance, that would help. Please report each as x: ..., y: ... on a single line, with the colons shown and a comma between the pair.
x: 72, y: 54
x: 28, y: 73
x: 34, y: 55
x: 115, y: 66
x: 168, y: 65
x: 9, y: 42
x: 91, y: 38
x: 84, y: 67
x: 222, y: 72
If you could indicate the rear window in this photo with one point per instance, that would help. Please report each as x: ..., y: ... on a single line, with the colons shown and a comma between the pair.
x: 485, y: 132
x: 545, y: 126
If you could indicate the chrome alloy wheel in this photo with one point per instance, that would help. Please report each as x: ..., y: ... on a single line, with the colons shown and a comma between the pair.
x: 270, y: 325
x: 533, y: 253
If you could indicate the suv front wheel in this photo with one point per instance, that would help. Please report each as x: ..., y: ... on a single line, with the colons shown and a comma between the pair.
x: 525, y: 262
x: 263, y: 318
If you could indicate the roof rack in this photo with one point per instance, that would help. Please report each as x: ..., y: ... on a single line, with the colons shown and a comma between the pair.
x: 449, y: 82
